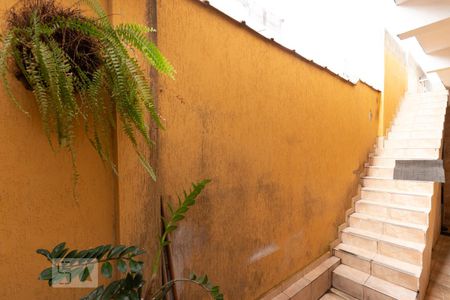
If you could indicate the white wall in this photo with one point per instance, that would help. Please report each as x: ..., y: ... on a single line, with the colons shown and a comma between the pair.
x: 345, y: 36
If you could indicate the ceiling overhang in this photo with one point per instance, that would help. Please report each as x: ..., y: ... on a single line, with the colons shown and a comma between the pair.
x: 429, y: 22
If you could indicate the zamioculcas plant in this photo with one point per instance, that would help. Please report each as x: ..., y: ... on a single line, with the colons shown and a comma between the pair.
x: 68, y: 264
x: 82, y: 70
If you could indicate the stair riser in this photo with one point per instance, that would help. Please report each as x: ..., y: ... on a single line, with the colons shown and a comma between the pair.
x: 354, y: 261
x: 382, y: 161
x: 427, y: 98
x: 410, y: 153
x: 393, y: 230
x: 394, y: 198
x: 348, y: 286
x: 370, y: 294
x: 434, y: 126
x: 438, y: 121
x: 396, y: 214
x: 419, y: 119
x: 395, y: 276
x: 421, y: 111
x: 380, y: 172
x: 408, y: 255
x: 412, y: 143
x: 383, y: 272
x: 418, y: 106
x: 400, y: 185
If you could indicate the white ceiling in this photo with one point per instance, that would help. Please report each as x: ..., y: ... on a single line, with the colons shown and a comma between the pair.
x: 428, y: 21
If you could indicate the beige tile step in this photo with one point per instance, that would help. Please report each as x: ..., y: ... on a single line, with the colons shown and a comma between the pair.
x: 411, y: 152
x: 421, y: 111
x: 401, y: 185
x: 335, y: 294
x: 342, y: 294
x: 380, y: 171
x: 418, y: 116
x: 423, y: 104
x: 396, y: 197
x: 386, y: 268
x: 412, y: 143
x: 376, y: 288
x: 381, y: 161
x: 331, y: 296
x: 412, y: 126
x: 363, y: 286
x: 389, y: 161
x: 415, y: 124
x: 394, y: 212
x: 415, y: 134
x: 397, y: 229
x: 427, y: 96
x: 405, y: 251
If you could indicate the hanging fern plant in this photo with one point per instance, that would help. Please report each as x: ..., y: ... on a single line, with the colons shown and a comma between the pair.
x: 84, y: 70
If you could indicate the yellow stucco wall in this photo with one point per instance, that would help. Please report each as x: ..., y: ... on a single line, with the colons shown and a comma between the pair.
x: 37, y: 209
x: 395, y: 82
x: 281, y: 139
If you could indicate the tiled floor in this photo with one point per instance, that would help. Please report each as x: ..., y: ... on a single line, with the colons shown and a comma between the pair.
x: 439, y: 286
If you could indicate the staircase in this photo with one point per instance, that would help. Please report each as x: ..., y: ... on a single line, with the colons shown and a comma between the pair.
x: 385, y: 250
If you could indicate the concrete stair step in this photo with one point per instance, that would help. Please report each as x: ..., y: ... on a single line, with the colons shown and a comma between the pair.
x: 396, y: 212
x: 334, y: 294
x: 412, y: 143
x: 421, y: 104
x: 380, y: 171
x: 427, y: 95
x: 397, y: 197
x: 409, y: 152
x: 397, y: 229
x: 386, y: 268
x: 389, y: 161
x: 365, y: 286
x: 421, y: 111
x: 405, y: 251
x: 405, y: 119
x: 413, y: 126
x: 342, y: 294
x: 415, y: 134
x: 331, y: 296
x: 401, y: 185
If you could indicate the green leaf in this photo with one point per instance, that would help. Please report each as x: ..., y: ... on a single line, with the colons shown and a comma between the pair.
x: 192, y: 276
x: 44, y: 252
x: 85, y: 274
x: 122, y: 266
x: 115, y: 251
x: 57, y: 250
x: 178, y: 217
x: 136, y: 266
x: 95, y: 294
x: 46, y: 274
x: 138, y: 281
x: 111, y: 290
x: 107, y: 269
x: 205, y: 279
x: 128, y: 250
x: 71, y: 254
x: 104, y: 250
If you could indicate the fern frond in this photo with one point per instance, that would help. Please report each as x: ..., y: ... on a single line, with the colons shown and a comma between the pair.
x: 97, y: 82
x: 144, y: 91
x: 98, y: 9
x: 135, y: 35
x: 5, y: 53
